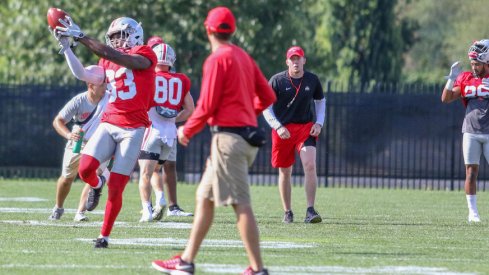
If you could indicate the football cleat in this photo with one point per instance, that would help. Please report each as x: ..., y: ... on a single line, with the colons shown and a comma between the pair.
x: 57, y: 213
x: 312, y: 216
x: 474, y: 217
x: 101, y: 243
x: 94, y: 195
x: 250, y: 271
x: 174, y: 265
x: 158, y: 212
x: 288, y: 217
x: 176, y: 211
x: 147, y: 215
x: 80, y: 217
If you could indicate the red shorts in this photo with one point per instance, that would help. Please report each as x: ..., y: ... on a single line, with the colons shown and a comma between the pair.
x: 283, y: 150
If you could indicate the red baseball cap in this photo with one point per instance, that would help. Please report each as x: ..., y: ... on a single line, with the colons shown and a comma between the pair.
x: 155, y: 40
x: 295, y: 50
x: 219, y: 16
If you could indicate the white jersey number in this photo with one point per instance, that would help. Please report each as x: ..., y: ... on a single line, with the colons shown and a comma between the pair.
x: 168, y: 90
x: 473, y: 91
x: 128, y: 82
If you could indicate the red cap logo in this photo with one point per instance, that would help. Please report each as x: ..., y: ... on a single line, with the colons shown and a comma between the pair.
x: 295, y: 50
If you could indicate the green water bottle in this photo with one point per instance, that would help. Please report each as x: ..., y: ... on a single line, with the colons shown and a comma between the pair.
x: 78, y: 144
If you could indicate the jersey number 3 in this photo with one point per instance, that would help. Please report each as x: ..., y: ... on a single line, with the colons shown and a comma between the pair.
x: 128, y: 89
x: 168, y: 90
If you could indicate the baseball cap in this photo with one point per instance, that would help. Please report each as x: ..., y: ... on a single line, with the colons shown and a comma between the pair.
x: 219, y: 16
x: 295, y: 50
x: 155, y: 40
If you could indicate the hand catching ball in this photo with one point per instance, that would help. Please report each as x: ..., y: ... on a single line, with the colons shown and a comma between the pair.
x: 54, y: 15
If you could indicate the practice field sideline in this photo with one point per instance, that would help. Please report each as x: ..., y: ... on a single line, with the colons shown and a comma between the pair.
x: 365, y: 231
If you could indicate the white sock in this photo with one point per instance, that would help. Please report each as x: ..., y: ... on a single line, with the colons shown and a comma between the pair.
x: 105, y: 237
x: 99, y: 183
x: 472, y: 204
x: 146, y: 206
x: 160, y: 198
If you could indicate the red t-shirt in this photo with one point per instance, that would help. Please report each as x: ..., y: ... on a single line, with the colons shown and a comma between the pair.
x: 171, y: 89
x: 233, y: 92
x: 131, y: 91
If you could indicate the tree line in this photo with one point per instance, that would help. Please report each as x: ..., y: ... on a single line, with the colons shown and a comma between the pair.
x: 366, y: 41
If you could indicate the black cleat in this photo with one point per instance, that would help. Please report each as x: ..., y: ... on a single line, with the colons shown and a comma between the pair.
x: 101, y: 243
x: 94, y: 196
x: 312, y: 216
x: 288, y: 217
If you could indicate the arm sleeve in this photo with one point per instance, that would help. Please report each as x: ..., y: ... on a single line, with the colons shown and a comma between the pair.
x: 320, y: 106
x: 78, y: 70
x: 271, y: 118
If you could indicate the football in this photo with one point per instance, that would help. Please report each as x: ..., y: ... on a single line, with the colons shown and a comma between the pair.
x: 54, y: 14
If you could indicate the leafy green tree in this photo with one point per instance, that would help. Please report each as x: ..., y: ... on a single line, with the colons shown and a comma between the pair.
x: 362, y: 40
x: 29, y: 53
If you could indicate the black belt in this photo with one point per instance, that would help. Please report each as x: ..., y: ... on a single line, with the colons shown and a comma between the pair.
x: 253, y: 135
x: 234, y: 130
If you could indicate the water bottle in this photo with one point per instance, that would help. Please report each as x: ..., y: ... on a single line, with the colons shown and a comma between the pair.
x: 78, y: 144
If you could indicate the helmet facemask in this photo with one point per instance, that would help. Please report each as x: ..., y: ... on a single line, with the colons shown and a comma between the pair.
x: 479, y: 51
x: 124, y: 33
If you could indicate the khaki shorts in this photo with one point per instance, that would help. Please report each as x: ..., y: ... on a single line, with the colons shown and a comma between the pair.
x: 225, y: 179
x: 71, y: 161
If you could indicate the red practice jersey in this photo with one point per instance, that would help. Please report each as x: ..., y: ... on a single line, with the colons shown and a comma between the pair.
x: 131, y: 91
x: 471, y: 86
x: 171, y: 89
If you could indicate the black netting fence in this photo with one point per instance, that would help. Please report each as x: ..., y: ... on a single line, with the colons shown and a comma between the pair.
x: 382, y: 136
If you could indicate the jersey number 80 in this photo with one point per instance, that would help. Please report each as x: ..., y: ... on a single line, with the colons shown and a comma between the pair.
x: 168, y: 90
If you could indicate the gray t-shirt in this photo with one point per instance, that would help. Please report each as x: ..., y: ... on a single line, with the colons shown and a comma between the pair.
x: 476, y: 119
x: 79, y: 109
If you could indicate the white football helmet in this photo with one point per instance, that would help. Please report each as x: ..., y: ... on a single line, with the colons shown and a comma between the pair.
x: 480, y: 51
x: 130, y: 30
x: 165, y: 54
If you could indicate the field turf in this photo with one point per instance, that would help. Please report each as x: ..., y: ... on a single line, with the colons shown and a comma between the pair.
x: 364, y: 231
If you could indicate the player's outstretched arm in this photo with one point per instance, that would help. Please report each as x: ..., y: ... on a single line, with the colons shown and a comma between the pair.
x: 130, y: 61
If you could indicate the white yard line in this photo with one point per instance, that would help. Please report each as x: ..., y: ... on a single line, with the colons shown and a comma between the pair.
x: 42, y: 210
x: 236, y: 269
x: 206, y: 243
x: 69, y: 223
x: 22, y: 199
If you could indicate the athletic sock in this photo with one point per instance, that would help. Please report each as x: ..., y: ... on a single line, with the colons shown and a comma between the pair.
x: 472, y: 204
x: 160, y: 198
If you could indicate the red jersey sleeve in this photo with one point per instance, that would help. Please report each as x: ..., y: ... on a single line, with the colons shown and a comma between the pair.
x: 210, y: 94
x: 264, y: 94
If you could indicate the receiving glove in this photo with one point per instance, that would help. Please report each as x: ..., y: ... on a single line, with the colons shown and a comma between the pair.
x: 70, y: 29
x: 455, y: 70
x: 63, y: 41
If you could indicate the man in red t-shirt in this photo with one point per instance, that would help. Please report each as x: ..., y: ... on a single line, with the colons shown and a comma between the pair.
x: 233, y: 92
x: 473, y: 88
x: 130, y: 72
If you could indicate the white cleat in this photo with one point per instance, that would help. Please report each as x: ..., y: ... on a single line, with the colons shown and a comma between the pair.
x: 147, y: 215
x: 80, y: 217
x: 176, y: 211
x: 474, y: 218
x: 158, y: 212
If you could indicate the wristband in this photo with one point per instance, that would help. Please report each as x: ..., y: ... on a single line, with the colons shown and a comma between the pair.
x: 68, y: 136
x: 449, y: 85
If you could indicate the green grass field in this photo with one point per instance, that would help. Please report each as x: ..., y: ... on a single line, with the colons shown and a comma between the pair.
x: 364, y: 231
